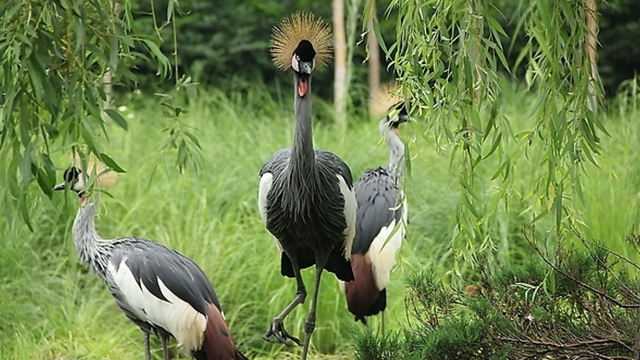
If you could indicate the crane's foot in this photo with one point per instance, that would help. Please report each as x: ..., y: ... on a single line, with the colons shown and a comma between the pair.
x: 278, y: 334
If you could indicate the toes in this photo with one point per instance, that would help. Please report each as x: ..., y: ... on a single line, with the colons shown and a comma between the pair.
x: 278, y: 334
x: 282, y: 338
x: 267, y: 337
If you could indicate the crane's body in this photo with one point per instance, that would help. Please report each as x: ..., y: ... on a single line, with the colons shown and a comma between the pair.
x: 380, y: 229
x: 306, y: 215
x: 306, y: 197
x: 156, y: 287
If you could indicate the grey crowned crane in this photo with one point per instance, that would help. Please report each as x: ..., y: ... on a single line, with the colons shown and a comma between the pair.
x: 306, y: 197
x: 156, y: 287
x: 380, y: 225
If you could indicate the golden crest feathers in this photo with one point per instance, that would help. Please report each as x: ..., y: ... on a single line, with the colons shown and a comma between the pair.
x: 105, y: 176
x: 300, y: 26
x: 382, y: 100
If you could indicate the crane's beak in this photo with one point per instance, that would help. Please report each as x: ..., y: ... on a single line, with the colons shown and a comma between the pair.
x: 59, y: 187
x: 303, y: 86
x: 304, y: 69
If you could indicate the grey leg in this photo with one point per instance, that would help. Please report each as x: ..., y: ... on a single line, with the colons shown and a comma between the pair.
x: 165, y: 350
x: 382, y: 319
x: 147, y: 350
x: 310, y: 323
x: 277, y: 333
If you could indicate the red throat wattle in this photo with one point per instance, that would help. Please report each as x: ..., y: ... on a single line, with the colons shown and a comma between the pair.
x: 303, y: 86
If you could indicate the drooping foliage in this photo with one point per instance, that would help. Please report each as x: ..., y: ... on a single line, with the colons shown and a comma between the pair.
x: 54, y: 59
x: 448, y: 54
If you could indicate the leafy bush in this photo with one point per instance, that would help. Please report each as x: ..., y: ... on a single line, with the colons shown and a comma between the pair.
x: 576, y: 303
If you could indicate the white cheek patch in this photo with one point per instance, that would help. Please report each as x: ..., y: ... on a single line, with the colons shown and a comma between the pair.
x: 294, y: 64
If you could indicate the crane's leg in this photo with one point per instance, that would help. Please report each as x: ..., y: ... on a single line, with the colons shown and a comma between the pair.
x: 165, y: 349
x: 277, y: 333
x: 382, y: 319
x: 310, y: 323
x: 147, y: 350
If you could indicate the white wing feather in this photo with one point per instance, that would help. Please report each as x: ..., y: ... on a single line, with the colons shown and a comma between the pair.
x: 175, y: 315
x: 265, y: 185
x: 350, y: 209
x: 384, y: 247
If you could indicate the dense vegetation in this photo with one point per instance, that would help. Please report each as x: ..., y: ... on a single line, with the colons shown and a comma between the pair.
x: 54, y: 308
x: 218, y: 39
x: 495, y: 154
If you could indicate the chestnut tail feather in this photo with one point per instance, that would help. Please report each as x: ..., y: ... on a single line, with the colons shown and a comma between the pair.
x: 217, y: 343
x: 362, y: 292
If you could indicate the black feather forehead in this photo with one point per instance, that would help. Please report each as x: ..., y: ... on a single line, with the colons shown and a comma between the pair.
x: 71, y: 174
x: 302, y: 34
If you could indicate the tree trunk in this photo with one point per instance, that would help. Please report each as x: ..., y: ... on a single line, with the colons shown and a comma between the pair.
x: 374, y: 55
x: 108, y: 76
x: 592, y: 51
x: 108, y: 89
x: 340, y: 77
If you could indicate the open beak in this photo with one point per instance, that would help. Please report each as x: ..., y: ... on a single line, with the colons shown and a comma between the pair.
x: 305, y: 68
x: 303, y: 87
x: 59, y: 187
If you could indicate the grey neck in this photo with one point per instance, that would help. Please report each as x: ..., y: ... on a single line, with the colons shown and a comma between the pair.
x: 302, y: 154
x: 91, y: 249
x: 396, y: 159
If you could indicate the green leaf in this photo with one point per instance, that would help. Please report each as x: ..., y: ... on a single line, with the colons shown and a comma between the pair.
x: 97, y: 51
x: 182, y: 155
x: 194, y: 139
x: 45, y: 183
x: 115, y: 116
x: 36, y: 80
x: 496, y: 143
x: 111, y: 163
x: 170, y: 7
x: 24, y: 212
x: 381, y: 43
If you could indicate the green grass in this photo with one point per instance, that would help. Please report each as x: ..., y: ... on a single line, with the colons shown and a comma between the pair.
x: 53, y: 308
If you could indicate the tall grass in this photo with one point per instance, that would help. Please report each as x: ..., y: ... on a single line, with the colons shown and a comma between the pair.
x: 53, y: 308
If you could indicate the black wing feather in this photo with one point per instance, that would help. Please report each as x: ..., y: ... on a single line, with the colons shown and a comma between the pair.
x: 276, y: 162
x: 377, y: 195
x: 150, y: 261
x: 341, y: 168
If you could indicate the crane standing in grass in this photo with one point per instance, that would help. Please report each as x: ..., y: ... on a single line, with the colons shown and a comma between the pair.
x: 382, y: 214
x: 306, y: 196
x: 156, y: 287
